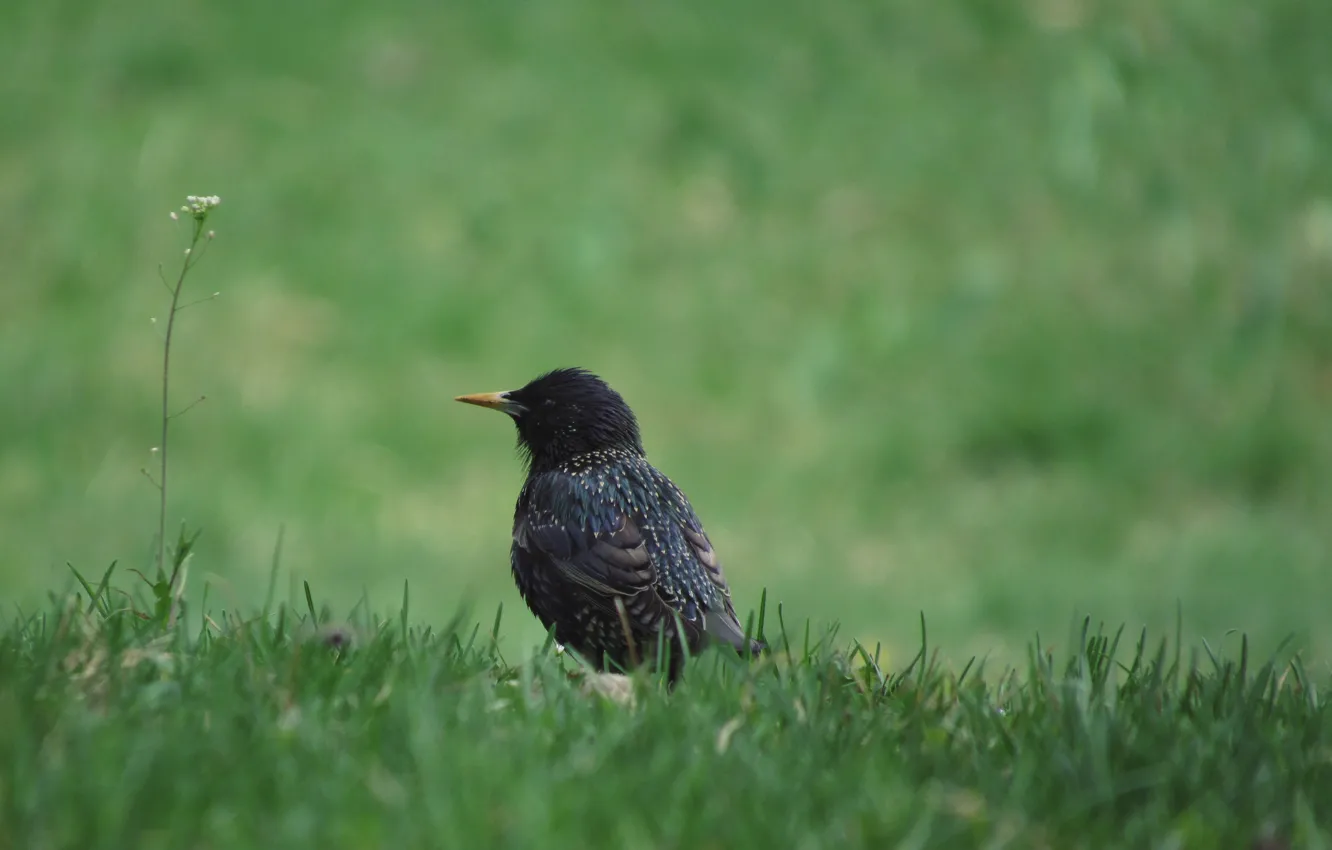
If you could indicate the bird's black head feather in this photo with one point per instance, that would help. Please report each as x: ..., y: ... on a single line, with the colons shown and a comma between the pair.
x: 569, y: 412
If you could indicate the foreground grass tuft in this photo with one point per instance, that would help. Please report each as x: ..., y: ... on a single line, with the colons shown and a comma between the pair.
x: 287, y: 731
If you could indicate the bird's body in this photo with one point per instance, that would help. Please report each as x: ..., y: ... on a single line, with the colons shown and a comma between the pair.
x: 606, y: 550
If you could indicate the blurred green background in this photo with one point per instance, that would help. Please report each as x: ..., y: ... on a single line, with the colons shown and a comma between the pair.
x: 1006, y: 312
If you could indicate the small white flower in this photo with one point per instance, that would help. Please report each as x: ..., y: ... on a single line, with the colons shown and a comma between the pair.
x: 174, y: 217
x: 199, y: 205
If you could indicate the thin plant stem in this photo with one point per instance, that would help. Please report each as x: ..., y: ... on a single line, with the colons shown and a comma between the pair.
x: 190, y: 259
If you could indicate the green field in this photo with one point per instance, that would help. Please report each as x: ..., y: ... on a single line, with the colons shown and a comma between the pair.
x: 1006, y: 314
x: 1003, y: 316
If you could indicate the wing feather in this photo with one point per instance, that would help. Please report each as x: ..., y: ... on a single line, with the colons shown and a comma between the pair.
x: 613, y: 564
x: 607, y: 554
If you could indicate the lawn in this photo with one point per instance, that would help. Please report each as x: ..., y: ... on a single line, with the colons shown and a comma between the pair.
x: 275, y: 729
x: 1009, y: 316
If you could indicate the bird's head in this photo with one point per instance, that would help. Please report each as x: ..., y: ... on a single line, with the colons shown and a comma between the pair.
x: 565, y: 413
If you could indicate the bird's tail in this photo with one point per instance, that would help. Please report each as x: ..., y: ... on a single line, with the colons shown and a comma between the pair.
x: 724, y: 627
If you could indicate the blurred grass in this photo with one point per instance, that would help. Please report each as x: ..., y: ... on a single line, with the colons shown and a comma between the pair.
x: 1003, y: 313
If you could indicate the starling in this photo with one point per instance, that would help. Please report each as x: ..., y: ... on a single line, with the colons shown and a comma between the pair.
x: 606, y: 549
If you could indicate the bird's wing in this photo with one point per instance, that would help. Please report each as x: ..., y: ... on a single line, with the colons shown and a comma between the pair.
x: 708, y: 584
x: 701, y: 546
x: 719, y: 620
x: 608, y: 563
x: 602, y: 547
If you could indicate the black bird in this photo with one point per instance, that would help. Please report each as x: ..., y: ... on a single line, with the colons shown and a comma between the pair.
x: 606, y: 549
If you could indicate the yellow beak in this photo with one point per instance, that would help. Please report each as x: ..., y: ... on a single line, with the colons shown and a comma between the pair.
x: 495, y: 401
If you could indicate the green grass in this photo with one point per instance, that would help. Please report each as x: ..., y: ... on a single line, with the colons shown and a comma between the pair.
x: 1006, y: 315
x: 255, y: 732
x: 1010, y: 316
